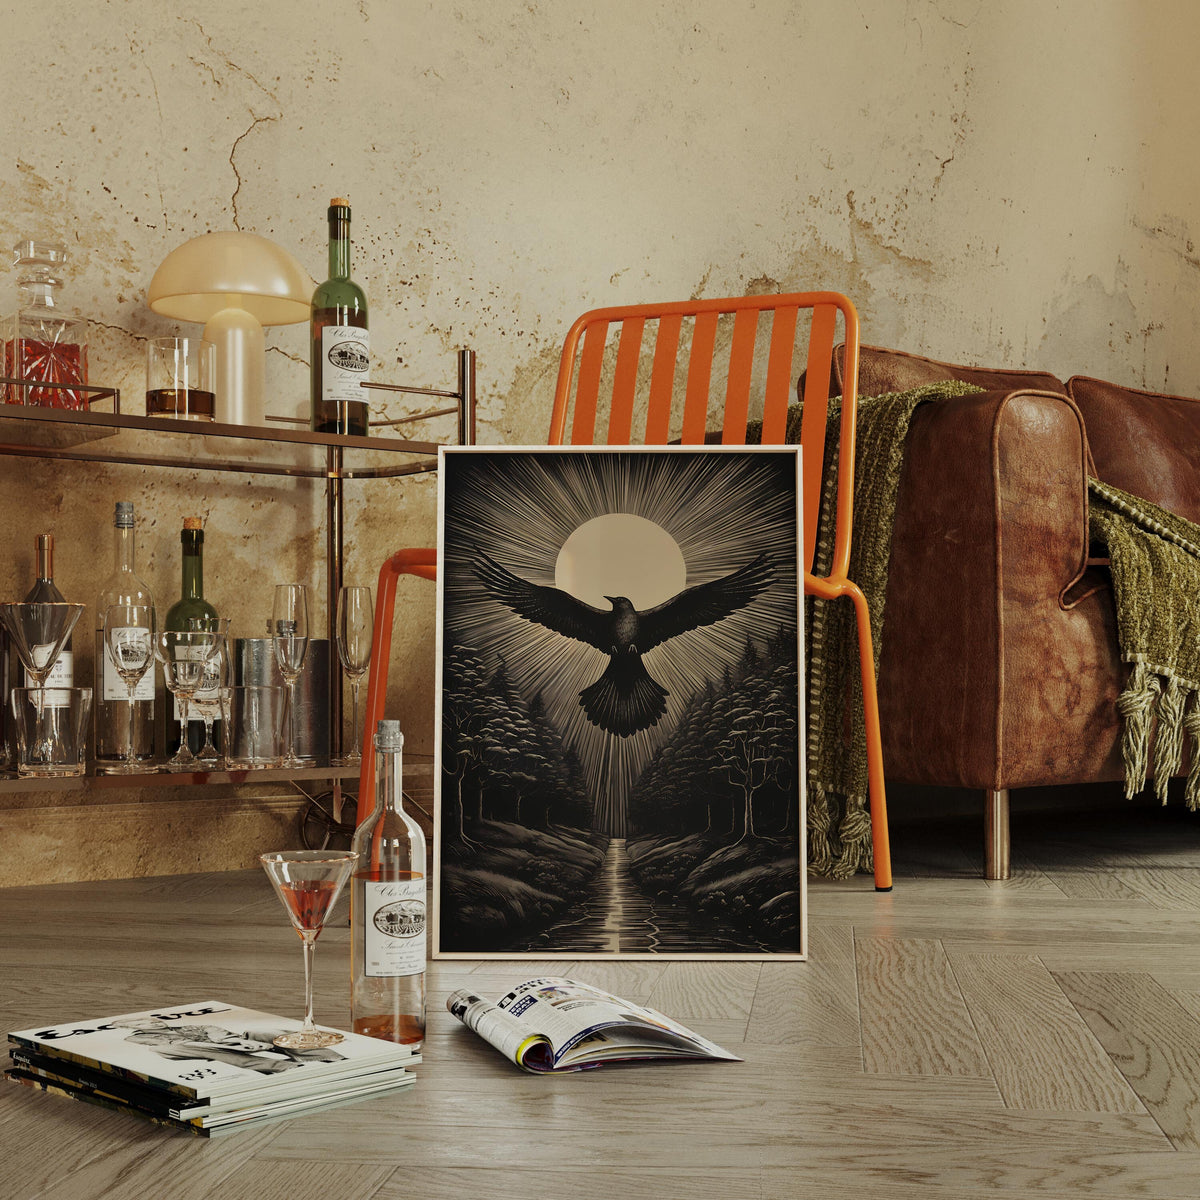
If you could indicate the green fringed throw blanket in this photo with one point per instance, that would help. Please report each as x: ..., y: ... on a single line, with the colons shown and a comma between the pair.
x: 1155, y: 563
x: 839, y: 821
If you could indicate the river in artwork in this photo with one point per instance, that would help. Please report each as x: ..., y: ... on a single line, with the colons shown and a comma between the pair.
x: 616, y: 917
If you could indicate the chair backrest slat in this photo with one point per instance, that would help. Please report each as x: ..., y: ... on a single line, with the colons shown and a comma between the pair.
x: 695, y: 403
x: 583, y: 431
x: 741, y: 367
x: 778, y: 389
x: 629, y: 348
x: 662, y: 380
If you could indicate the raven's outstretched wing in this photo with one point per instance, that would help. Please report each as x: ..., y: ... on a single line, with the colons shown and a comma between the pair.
x: 552, y: 607
x: 704, y: 604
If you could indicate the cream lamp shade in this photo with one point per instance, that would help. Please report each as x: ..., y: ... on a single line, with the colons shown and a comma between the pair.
x: 235, y: 283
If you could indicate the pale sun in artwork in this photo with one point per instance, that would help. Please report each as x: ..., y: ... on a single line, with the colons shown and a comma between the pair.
x: 620, y: 554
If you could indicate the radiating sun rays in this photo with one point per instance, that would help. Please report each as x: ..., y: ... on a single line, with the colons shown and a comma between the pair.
x: 721, y: 508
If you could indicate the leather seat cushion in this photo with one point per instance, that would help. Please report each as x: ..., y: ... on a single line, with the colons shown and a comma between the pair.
x: 1147, y: 443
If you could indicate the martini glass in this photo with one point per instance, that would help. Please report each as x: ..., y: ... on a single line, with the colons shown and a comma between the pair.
x: 39, y: 630
x: 308, y: 882
x: 129, y: 638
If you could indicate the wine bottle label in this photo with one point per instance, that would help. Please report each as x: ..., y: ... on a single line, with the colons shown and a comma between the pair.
x: 395, y: 928
x: 62, y: 675
x: 345, y: 362
x: 113, y: 686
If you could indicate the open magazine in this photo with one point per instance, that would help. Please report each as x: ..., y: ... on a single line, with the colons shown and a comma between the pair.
x: 559, y: 1025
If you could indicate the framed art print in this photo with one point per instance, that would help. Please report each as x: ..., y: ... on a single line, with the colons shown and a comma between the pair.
x: 619, y: 766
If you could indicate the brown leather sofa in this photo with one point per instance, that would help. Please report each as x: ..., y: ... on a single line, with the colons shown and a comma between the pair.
x: 999, y: 667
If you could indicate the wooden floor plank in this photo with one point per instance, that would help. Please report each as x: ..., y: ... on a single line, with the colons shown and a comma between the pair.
x: 817, y: 1006
x: 914, y: 1018
x: 1040, y: 1050
x: 1151, y: 1038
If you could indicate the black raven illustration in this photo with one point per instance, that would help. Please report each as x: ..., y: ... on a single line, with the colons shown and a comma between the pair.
x: 625, y: 699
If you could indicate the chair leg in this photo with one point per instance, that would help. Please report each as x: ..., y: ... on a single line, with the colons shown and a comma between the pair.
x: 996, y: 835
x: 880, y: 843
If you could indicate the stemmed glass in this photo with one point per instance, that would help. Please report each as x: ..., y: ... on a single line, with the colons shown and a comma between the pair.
x: 184, y: 657
x: 39, y: 630
x: 209, y: 696
x: 289, y: 633
x: 355, y: 626
x: 308, y: 882
x: 129, y: 640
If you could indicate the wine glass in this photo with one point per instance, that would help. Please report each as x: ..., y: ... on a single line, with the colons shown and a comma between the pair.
x: 308, y: 882
x: 129, y: 642
x: 39, y: 630
x: 289, y: 633
x: 355, y: 626
x: 207, y: 700
x: 184, y: 656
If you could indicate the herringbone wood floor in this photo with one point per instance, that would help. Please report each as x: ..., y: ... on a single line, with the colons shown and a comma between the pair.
x: 954, y: 1039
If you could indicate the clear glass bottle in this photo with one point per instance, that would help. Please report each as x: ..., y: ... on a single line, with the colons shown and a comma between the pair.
x: 387, y: 908
x: 341, y: 346
x: 110, y: 701
x: 190, y: 605
x: 42, y: 341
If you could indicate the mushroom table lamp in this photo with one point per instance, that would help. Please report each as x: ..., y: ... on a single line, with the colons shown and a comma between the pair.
x: 235, y: 283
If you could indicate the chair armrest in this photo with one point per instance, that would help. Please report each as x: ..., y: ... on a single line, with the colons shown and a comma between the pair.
x: 990, y: 535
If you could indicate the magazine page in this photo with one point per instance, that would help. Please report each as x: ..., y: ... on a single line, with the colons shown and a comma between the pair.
x: 550, y: 1023
x: 512, y: 1037
x: 205, y: 1049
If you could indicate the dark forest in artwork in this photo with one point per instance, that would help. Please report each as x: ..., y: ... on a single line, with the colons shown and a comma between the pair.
x: 619, y: 752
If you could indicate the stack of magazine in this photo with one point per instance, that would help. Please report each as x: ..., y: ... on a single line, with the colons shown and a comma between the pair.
x: 208, y: 1067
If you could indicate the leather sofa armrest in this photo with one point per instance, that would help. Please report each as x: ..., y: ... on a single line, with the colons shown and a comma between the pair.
x: 990, y: 535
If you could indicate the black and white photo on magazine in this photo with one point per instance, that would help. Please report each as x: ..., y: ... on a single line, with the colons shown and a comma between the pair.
x: 619, y: 765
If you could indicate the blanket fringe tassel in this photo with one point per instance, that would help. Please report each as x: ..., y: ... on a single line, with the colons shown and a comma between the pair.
x: 1136, y: 706
x: 1175, y: 709
x: 1168, y: 739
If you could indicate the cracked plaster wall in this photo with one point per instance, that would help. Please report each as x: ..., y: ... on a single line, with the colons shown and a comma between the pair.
x: 1006, y: 183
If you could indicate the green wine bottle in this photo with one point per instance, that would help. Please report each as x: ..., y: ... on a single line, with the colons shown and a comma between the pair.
x: 341, y: 346
x: 191, y: 605
x: 191, y: 602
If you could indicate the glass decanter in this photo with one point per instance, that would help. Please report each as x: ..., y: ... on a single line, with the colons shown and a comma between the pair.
x: 42, y: 342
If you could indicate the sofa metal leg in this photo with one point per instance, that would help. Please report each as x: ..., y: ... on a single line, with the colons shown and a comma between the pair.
x: 996, y: 841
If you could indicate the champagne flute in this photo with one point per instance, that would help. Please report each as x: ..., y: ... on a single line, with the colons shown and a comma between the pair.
x: 207, y: 700
x: 308, y: 882
x: 184, y: 656
x: 129, y: 642
x: 355, y: 627
x: 289, y: 634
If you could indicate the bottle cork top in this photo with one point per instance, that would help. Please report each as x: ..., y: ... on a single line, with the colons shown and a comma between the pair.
x: 388, y: 736
x: 193, y: 523
x: 339, y: 202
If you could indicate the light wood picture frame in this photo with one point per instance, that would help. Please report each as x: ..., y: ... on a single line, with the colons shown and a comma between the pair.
x: 619, y: 767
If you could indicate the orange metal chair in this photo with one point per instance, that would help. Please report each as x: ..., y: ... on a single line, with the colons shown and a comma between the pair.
x: 629, y: 382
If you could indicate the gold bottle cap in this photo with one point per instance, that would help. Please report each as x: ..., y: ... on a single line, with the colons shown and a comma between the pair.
x: 193, y: 523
